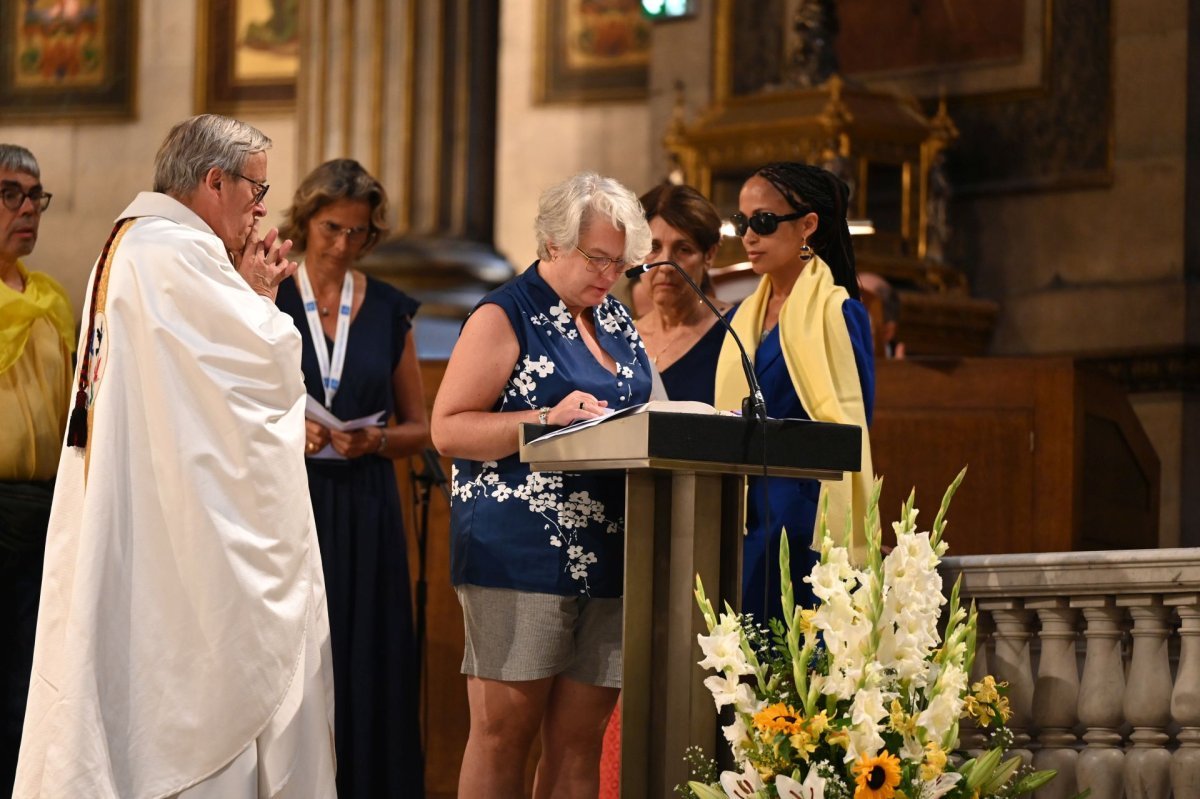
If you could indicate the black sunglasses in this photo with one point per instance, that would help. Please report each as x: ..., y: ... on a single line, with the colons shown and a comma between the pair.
x: 260, y: 189
x: 764, y: 223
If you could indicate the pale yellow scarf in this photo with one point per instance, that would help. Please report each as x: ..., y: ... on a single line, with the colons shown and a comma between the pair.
x: 820, y: 360
x: 43, y: 296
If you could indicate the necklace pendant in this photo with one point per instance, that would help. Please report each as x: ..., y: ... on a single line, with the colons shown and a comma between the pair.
x: 324, y: 311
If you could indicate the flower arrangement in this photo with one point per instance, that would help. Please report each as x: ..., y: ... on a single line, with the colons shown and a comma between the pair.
x: 861, y: 696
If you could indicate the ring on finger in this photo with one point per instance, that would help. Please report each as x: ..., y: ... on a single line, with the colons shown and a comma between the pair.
x: 581, y: 405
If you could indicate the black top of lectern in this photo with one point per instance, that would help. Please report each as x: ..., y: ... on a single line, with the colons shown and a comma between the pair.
x: 674, y: 440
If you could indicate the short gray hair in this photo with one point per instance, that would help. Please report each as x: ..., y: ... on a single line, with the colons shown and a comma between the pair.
x: 196, y: 145
x: 15, y: 158
x: 566, y: 209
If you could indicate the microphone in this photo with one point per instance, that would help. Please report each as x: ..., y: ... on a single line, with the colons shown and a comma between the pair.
x: 753, y: 406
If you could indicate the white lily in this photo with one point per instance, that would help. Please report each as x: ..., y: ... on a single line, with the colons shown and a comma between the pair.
x: 940, y: 785
x: 813, y: 786
x: 744, y: 785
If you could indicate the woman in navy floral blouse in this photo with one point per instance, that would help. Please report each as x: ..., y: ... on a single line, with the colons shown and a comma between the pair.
x: 536, y: 557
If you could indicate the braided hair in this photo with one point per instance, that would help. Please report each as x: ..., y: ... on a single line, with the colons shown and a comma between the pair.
x: 811, y: 188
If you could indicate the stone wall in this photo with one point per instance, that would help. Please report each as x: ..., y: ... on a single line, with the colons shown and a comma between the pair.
x: 538, y: 145
x: 1102, y: 270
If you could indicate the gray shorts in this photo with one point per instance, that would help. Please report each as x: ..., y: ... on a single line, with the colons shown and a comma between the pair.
x: 520, y: 635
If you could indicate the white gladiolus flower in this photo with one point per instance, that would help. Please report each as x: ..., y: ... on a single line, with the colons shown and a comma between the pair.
x: 723, y: 648
x: 866, y: 711
x: 729, y: 691
x: 738, y: 736
x: 945, y: 706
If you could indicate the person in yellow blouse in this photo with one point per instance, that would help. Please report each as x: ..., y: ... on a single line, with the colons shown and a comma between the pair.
x: 37, y: 333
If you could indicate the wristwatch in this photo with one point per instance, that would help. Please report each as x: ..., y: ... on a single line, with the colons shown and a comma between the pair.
x: 543, y: 415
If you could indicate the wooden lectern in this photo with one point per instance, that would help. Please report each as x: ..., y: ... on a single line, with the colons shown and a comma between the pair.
x: 685, y: 486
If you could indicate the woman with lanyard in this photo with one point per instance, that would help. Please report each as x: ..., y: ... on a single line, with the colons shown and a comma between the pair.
x: 359, y: 359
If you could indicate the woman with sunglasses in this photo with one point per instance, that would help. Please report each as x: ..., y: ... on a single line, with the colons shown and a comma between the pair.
x: 810, y: 339
x: 537, y: 557
x: 359, y: 359
x: 682, y: 335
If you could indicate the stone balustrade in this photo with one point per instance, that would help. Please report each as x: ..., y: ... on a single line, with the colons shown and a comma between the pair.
x: 1101, y: 651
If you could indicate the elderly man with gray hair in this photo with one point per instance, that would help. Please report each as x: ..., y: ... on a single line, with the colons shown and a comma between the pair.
x: 182, y: 643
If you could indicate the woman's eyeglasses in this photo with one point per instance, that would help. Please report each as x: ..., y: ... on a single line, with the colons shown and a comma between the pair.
x: 764, y: 223
x: 260, y: 189
x: 601, y: 263
x: 13, y: 198
x: 354, y: 235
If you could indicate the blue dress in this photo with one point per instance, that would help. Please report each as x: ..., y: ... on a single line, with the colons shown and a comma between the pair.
x: 360, y: 528
x: 789, y: 502
x: 694, y: 376
x: 549, y: 532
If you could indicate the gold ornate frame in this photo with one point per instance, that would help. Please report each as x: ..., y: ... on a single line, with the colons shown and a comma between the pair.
x: 557, y: 80
x: 219, y: 89
x: 49, y: 98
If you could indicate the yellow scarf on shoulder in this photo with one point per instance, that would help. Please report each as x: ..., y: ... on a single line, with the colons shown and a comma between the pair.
x: 43, y: 296
x: 820, y: 360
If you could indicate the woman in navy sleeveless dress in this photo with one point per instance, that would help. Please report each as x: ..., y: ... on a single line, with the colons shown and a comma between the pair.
x: 537, y: 557
x: 682, y: 336
x: 338, y: 214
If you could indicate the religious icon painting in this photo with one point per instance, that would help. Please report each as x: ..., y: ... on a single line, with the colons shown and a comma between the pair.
x: 67, y: 59
x: 591, y: 50
x: 247, y: 56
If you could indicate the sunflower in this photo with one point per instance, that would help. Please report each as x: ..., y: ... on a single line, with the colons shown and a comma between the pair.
x: 779, y: 717
x: 877, y: 777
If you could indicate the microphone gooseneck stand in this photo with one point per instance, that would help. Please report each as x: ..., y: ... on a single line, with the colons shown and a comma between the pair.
x: 422, y: 487
x: 754, y: 407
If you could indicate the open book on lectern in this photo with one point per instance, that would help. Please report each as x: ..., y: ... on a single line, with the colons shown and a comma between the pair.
x: 658, y: 406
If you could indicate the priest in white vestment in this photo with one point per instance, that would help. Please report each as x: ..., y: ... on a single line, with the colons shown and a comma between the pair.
x: 182, y: 642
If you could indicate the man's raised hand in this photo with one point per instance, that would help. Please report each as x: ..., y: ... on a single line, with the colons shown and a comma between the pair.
x: 263, y: 263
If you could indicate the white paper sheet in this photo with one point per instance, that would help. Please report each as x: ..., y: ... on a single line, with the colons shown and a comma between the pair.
x: 663, y: 406
x: 317, y: 412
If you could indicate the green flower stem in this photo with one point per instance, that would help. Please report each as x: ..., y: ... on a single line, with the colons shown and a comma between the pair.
x: 939, y: 524
x: 710, y: 617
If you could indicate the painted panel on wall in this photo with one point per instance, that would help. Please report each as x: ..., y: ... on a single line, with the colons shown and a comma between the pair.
x: 248, y: 55
x: 67, y: 59
x: 588, y: 50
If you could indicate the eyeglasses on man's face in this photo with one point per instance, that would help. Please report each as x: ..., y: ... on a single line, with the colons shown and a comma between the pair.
x: 14, y: 197
x: 764, y: 223
x: 601, y: 263
x: 260, y: 189
x: 354, y: 235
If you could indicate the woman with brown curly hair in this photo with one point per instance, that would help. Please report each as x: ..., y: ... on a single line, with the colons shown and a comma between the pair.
x: 359, y: 359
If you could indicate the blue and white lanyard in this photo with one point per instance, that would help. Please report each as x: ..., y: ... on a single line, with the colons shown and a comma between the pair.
x: 331, y: 374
